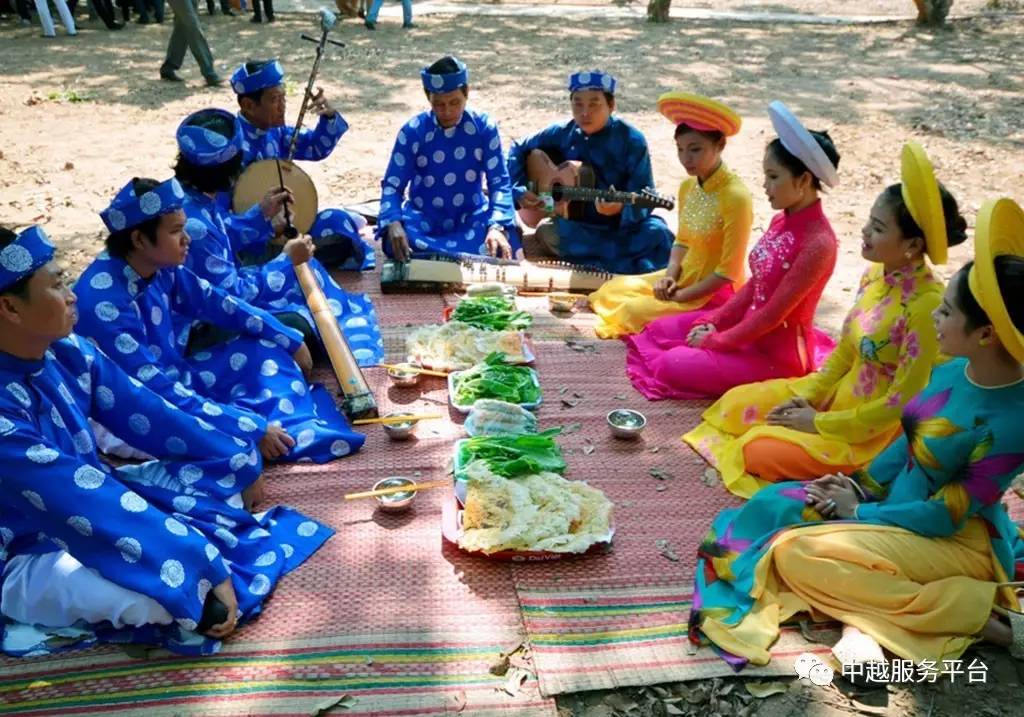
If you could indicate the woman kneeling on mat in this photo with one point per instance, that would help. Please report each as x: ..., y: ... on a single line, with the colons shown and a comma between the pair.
x: 765, y: 330
x: 715, y: 214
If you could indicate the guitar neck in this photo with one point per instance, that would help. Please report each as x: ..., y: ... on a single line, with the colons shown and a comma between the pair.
x: 588, y: 194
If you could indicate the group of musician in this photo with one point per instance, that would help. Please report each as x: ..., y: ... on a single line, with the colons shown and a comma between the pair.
x: 187, y: 345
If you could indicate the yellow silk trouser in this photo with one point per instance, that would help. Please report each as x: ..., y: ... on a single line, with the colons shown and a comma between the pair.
x: 920, y: 598
x: 626, y: 304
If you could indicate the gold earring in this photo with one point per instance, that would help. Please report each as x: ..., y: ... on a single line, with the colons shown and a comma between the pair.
x: 907, y: 254
x: 984, y: 342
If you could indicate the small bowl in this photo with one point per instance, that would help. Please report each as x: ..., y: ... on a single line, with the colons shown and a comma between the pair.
x: 626, y: 423
x: 403, y: 378
x: 396, y: 502
x: 562, y: 303
x: 399, y: 431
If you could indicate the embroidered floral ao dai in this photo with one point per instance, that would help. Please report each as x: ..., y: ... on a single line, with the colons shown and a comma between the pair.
x: 764, y: 331
x: 238, y: 385
x: 884, y: 357
x: 171, y: 539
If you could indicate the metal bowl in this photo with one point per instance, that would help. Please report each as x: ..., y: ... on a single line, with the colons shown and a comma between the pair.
x: 403, y: 378
x: 399, y: 431
x: 626, y: 423
x: 562, y: 303
x: 395, y: 502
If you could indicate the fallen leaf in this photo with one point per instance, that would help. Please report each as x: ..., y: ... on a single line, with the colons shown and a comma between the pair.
x: 672, y: 709
x: 761, y: 690
x: 570, y: 403
x: 369, y: 660
x: 322, y: 708
x: 666, y: 550
x: 619, y: 397
x: 587, y: 450
x: 659, y: 473
x: 655, y: 449
x: 500, y: 666
x: 577, y: 394
x: 571, y: 428
x: 660, y: 487
x: 562, y: 390
x: 711, y: 477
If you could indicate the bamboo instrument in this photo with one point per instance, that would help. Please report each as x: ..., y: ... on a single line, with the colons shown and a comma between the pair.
x: 398, y: 489
x: 358, y: 401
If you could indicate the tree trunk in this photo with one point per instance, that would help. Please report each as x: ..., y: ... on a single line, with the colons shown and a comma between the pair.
x: 657, y: 10
x: 932, y: 12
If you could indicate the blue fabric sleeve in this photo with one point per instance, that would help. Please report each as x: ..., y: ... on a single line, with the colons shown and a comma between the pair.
x: 317, y: 143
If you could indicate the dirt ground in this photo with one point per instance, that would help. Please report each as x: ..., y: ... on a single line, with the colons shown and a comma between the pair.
x: 80, y: 116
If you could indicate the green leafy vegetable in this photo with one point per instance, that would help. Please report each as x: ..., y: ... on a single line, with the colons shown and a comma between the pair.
x: 511, y: 456
x: 495, y: 378
x: 495, y: 313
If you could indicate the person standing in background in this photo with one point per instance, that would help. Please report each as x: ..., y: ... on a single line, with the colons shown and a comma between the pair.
x: 188, y: 32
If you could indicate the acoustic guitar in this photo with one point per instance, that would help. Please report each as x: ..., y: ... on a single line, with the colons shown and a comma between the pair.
x: 562, y: 186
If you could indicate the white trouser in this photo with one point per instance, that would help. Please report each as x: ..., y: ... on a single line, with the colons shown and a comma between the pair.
x: 55, y: 590
x: 43, y: 8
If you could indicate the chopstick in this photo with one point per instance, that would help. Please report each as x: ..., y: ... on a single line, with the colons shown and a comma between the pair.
x: 397, y: 419
x: 414, y: 369
x: 549, y: 293
x: 398, y: 489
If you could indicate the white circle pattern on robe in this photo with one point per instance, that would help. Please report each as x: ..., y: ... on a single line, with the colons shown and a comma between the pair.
x: 131, y: 549
x: 89, y: 478
x: 35, y: 499
x: 172, y: 573
x: 133, y: 502
x: 41, y: 454
x: 307, y: 528
x: 189, y: 474
x: 81, y: 525
x: 260, y: 585
x: 175, y: 527
x: 183, y: 503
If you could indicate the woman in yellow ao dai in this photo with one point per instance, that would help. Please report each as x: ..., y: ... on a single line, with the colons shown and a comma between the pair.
x: 843, y: 415
x: 715, y: 215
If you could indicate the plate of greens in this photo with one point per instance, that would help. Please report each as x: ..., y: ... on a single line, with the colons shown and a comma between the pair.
x: 510, y: 456
x: 494, y: 378
x: 491, y: 313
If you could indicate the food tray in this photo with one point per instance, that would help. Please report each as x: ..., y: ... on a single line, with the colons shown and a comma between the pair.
x: 465, y: 408
x: 451, y: 531
x: 529, y: 356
